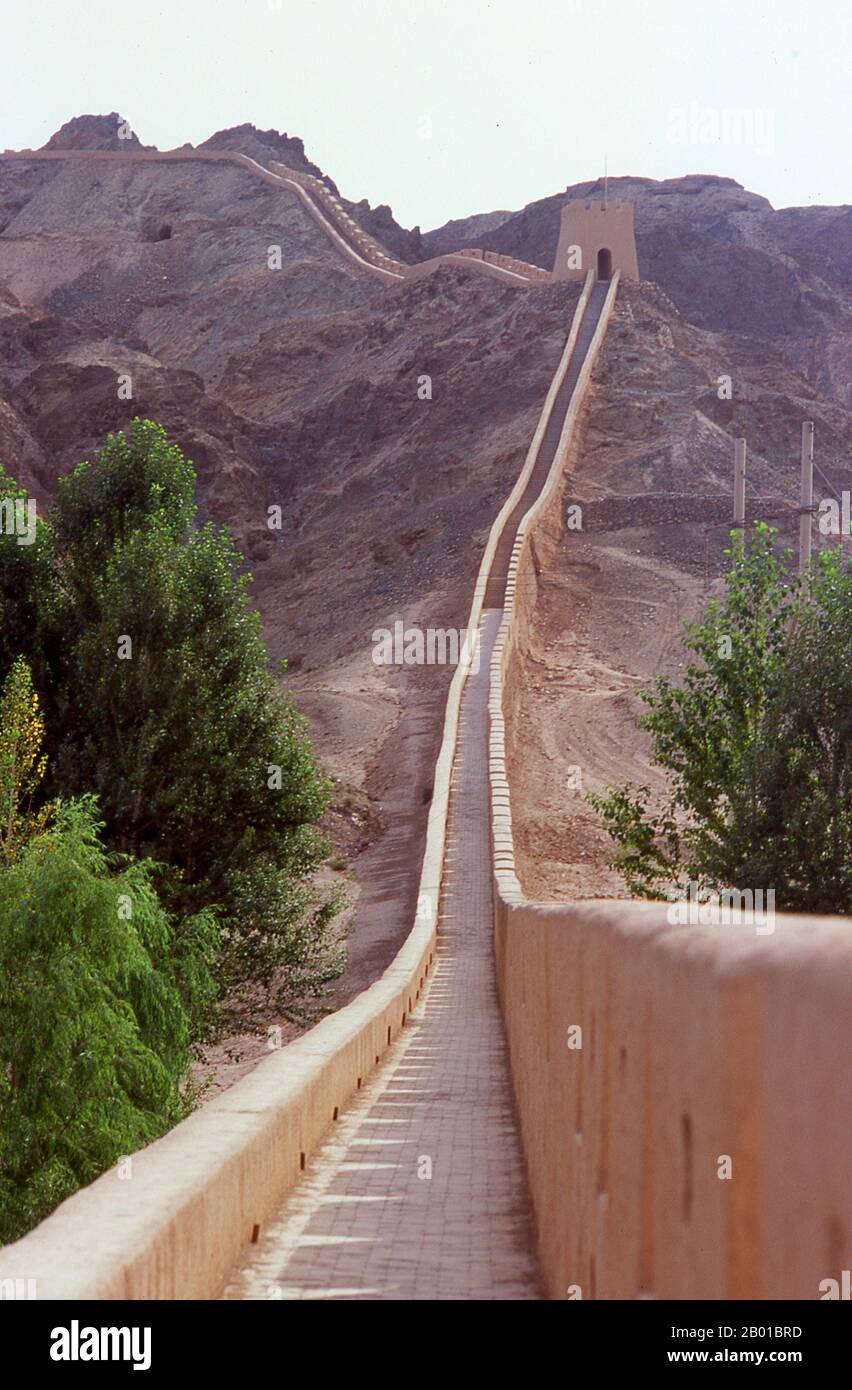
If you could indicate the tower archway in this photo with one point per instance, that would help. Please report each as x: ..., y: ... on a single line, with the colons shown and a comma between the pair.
x: 604, y: 263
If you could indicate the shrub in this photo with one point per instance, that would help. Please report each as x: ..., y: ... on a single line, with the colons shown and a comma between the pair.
x: 94, y: 1033
x: 756, y: 744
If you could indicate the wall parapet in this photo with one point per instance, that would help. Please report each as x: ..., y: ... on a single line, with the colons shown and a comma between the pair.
x: 682, y: 1091
x: 683, y: 1097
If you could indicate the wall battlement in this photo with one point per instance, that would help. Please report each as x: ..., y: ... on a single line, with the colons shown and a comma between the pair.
x: 611, y: 209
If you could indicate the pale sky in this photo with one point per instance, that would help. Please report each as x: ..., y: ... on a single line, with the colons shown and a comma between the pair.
x: 443, y: 108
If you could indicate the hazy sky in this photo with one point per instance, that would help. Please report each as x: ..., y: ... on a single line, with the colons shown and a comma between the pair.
x: 447, y: 107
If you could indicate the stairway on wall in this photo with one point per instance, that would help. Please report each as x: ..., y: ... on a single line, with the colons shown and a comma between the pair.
x: 547, y: 450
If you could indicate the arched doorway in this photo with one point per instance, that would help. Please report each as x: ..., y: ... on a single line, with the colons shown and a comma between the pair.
x: 604, y: 263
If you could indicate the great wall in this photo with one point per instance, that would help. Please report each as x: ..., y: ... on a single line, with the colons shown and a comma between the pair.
x: 440, y: 1136
x: 353, y: 243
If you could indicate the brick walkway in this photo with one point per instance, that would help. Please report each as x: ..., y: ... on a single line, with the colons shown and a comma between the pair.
x: 366, y: 1222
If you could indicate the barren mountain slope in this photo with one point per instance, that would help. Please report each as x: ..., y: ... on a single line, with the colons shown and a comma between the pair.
x: 173, y: 257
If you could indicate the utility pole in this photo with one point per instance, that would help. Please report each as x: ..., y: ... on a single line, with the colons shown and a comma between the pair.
x: 739, y: 495
x: 806, y: 496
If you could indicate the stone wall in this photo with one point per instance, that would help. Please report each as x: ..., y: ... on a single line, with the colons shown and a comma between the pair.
x: 702, y: 1050
x: 327, y: 210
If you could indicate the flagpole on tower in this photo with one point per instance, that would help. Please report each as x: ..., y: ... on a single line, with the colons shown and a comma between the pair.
x: 606, y: 184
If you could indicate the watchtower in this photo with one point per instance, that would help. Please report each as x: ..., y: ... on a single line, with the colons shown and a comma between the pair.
x: 596, y: 236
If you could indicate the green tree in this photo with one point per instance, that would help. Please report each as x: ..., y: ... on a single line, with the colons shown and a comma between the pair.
x: 26, y: 586
x: 752, y: 742
x: 94, y: 1035
x: 21, y: 762
x: 164, y: 703
x: 804, y: 782
x: 138, y: 476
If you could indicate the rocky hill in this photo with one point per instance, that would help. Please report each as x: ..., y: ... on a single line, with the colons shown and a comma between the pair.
x: 110, y: 132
